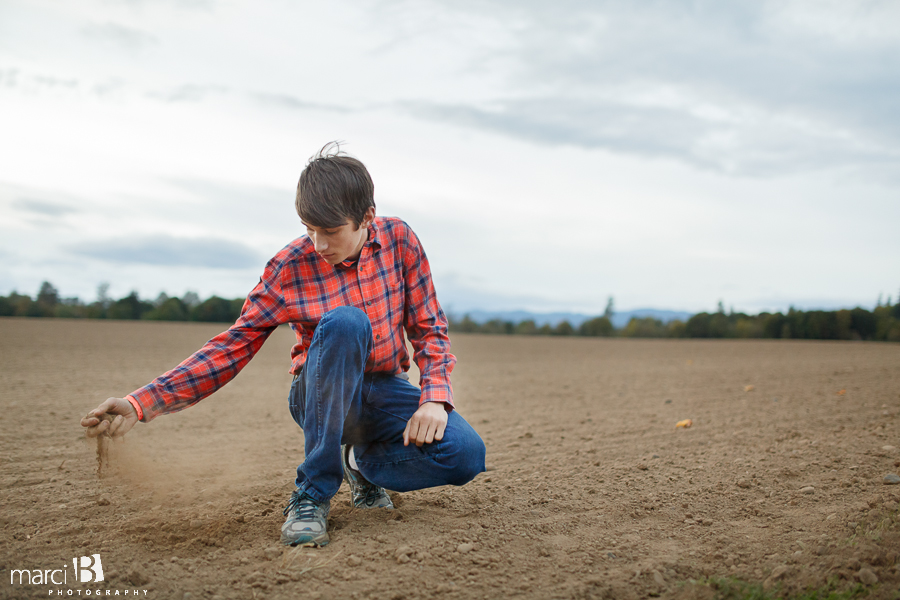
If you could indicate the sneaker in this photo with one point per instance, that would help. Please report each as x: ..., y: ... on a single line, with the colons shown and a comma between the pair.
x: 363, y: 493
x: 306, y: 521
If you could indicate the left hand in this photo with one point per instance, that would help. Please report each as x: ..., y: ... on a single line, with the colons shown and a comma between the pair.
x: 426, y: 425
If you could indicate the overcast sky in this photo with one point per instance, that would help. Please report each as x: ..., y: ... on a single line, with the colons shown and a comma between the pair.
x: 549, y: 155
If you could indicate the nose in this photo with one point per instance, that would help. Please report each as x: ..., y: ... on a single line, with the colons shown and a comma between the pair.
x: 320, y: 244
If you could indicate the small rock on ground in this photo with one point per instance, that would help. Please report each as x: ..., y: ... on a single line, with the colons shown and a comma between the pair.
x: 891, y: 479
x: 808, y: 490
x: 867, y: 577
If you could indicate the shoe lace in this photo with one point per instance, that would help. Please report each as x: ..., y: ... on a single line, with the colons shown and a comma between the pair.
x: 373, y: 492
x: 303, y: 504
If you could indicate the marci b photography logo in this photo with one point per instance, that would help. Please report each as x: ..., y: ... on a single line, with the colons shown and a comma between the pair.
x: 91, y: 569
x: 88, y: 569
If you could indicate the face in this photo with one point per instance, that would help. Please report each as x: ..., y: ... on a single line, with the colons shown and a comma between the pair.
x: 337, y: 244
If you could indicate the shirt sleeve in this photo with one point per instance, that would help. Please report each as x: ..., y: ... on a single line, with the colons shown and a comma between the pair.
x: 426, y: 326
x: 222, y: 357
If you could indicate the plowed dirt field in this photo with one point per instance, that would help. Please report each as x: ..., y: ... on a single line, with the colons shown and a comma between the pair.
x: 591, y: 490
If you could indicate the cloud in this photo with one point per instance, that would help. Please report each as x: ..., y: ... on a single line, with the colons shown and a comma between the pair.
x: 741, y: 87
x: 127, y: 38
x: 743, y: 144
x: 292, y: 102
x: 165, y: 250
x: 56, y: 82
x: 40, y: 207
x: 206, y: 5
x: 189, y: 93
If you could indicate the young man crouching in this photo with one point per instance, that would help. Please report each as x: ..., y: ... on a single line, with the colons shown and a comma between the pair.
x: 349, y: 289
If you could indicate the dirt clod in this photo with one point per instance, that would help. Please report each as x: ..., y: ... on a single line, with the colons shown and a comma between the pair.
x: 867, y: 576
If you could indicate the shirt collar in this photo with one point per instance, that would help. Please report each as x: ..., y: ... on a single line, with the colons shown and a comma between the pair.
x: 374, y: 236
x: 373, y: 242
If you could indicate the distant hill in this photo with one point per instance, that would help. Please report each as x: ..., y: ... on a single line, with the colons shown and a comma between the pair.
x: 620, y: 319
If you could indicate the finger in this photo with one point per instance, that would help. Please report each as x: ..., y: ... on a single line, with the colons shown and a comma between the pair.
x: 116, y: 425
x: 104, y: 407
x: 406, y: 435
x: 97, y: 430
x: 432, y: 429
x: 442, y: 426
x: 89, y: 421
x: 422, y: 433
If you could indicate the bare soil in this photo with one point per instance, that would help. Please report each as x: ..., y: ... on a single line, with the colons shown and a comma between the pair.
x: 591, y: 490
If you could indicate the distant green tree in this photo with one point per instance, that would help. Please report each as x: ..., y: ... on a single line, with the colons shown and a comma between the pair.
x: 171, y: 309
x: 46, y: 301
x: 48, y: 295
x: 103, y: 299
x: 7, y: 308
x: 610, y: 306
x: 597, y: 327
x: 771, y: 325
x: 862, y: 323
x: 698, y: 325
x: 214, y: 310
x: 497, y: 326
x: 467, y: 325
x: 129, y: 307
x: 527, y: 327
x: 747, y: 327
x: 26, y: 307
x: 676, y: 329
x: 563, y: 328
x: 16, y: 305
x: 191, y: 299
x: 886, y: 325
x: 70, y: 308
x: 719, y: 325
x: 646, y: 327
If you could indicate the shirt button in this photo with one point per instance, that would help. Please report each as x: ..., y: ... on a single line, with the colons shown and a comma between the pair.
x: 368, y: 302
x: 378, y: 337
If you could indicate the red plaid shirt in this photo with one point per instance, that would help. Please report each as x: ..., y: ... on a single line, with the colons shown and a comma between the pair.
x: 391, y: 282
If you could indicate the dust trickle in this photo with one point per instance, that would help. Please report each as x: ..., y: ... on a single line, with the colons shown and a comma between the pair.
x: 103, y: 446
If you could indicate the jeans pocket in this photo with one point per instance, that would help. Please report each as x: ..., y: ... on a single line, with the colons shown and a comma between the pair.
x: 368, y: 390
x: 295, y: 401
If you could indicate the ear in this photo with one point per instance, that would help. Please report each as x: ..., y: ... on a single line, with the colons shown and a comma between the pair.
x: 370, y: 216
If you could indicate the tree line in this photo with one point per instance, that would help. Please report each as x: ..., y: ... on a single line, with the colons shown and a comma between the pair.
x: 189, y: 307
x: 880, y: 324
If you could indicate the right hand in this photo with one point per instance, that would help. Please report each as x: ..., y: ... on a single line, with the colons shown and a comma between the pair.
x: 124, y: 418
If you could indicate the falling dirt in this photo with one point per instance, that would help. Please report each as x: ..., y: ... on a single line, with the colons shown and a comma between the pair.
x: 591, y: 490
x: 103, y: 446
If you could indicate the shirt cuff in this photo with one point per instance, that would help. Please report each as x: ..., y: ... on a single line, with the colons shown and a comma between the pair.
x: 137, y: 406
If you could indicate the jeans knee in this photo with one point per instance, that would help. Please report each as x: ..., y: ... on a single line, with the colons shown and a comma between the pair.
x: 347, y: 320
x: 467, y: 460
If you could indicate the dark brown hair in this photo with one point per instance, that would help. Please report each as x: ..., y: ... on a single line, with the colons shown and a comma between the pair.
x: 334, y: 187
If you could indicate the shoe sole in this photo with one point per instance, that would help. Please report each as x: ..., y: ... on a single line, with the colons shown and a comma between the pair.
x: 314, y: 543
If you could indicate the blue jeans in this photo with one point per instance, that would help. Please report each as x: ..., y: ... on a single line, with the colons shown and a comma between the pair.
x: 336, y: 402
